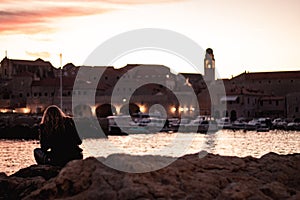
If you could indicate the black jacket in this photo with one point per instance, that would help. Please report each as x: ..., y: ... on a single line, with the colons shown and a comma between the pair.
x: 63, y: 144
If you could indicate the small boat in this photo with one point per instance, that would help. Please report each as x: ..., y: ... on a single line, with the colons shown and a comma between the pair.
x: 224, y: 123
x: 239, y: 124
x: 252, y: 125
x: 201, y: 126
x: 126, y: 124
x: 119, y: 125
x: 295, y: 125
x: 263, y: 129
x: 260, y: 125
x: 264, y: 125
x: 279, y: 123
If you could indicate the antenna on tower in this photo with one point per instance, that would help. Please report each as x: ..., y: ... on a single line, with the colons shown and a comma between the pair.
x: 5, y: 53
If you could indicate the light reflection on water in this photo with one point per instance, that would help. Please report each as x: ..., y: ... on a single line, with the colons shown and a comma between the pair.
x: 17, y: 154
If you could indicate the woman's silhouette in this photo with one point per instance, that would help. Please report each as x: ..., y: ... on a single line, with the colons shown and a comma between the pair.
x: 59, y: 139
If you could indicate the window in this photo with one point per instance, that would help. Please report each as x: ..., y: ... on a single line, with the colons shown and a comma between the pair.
x: 270, y: 101
x: 21, y: 95
x: 45, y: 94
x: 248, y: 100
x: 297, y: 109
x: 277, y: 102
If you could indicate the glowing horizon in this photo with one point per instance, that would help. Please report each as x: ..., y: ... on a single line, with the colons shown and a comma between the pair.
x: 245, y: 36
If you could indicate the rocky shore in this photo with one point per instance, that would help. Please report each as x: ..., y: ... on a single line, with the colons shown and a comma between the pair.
x: 272, y: 176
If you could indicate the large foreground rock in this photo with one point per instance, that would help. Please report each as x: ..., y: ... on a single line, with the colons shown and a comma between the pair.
x: 212, y: 177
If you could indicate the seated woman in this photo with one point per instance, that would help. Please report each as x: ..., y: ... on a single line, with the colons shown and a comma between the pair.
x: 59, y: 139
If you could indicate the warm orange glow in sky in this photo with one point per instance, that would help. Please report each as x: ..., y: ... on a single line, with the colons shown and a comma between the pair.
x: 257, y: 35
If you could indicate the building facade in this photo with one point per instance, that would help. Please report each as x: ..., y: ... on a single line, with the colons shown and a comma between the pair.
x: 103, y: 91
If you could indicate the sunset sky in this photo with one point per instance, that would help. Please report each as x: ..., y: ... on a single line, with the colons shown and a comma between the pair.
x: 257, y: 35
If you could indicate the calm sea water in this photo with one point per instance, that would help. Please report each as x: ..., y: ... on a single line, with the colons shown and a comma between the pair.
x: 17, y: 154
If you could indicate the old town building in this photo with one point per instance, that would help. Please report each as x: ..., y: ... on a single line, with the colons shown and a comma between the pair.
x: 31, y: 86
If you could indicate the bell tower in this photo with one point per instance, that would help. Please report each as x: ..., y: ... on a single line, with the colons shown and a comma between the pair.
x: 209, y: 65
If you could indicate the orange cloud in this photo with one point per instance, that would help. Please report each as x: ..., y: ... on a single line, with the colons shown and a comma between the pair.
x: 35, y: 21
x: 17, y: 17
x: 43, y: 54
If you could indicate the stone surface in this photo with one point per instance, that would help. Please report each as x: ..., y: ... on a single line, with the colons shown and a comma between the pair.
x: 189, y: 177
x: 45, y: 171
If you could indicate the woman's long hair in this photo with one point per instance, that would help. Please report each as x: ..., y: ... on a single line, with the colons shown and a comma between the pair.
x: 53, y: 119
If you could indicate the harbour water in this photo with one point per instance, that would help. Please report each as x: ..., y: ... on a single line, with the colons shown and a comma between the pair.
x: 17, y: 154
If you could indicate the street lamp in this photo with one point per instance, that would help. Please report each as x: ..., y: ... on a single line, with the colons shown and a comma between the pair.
x: 60, y: 56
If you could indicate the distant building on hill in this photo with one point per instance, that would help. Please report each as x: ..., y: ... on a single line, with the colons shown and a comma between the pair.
x: 39, y: 68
